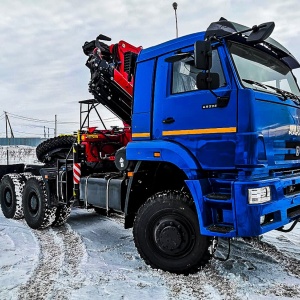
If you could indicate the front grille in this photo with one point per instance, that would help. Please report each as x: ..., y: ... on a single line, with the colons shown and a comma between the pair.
x: 285, y: 172
x: 286, y: 150
x: 293, y: 212
x: 292, y: 189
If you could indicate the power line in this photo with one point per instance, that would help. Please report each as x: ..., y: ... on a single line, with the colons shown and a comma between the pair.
x: 31, y: 125
x: 29, y: 133
x: 66, y: 122
x: 28, y: 119
x: 47, y: 121
x: 34, y: 124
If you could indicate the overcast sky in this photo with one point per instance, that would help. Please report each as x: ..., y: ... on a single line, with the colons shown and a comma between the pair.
x: 43, y: 71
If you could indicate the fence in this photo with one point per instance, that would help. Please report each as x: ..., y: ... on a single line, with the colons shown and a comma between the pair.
x: 17, y: 154
x: 33, y: 142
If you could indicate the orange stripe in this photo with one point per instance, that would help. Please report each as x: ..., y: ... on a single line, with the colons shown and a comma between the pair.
x: 200, y: 131
x: 144, y: 134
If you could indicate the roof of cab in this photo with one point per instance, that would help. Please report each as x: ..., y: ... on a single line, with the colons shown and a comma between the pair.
x: 170, y: 46
x: 188, y: 40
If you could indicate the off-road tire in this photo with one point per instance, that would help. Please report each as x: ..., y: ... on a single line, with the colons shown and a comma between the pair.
x: 61, y: 215
x: 167, y: 235
x: 37, y: 212
x: 11, y: 188
x: 52, y: 149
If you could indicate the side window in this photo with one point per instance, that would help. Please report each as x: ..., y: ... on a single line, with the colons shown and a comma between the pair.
x: 184, y: 74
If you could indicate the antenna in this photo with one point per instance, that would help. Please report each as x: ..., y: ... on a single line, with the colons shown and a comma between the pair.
x: 175, y: 9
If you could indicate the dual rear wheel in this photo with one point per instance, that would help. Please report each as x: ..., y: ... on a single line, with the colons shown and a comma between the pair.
x: 11, y: 189
x: 26, y: 196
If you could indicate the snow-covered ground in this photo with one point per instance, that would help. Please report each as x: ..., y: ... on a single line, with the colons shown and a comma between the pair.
x: 94, y: 257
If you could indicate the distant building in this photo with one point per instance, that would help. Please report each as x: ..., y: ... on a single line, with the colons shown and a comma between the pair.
x: 33, y: 142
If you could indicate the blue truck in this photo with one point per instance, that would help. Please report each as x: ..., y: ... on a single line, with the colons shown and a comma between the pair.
x: 210, y: 146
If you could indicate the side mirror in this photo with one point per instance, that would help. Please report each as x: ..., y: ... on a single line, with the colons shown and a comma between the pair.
x: 261, y: 32
x: 208, y: 81
x: 202, y: 54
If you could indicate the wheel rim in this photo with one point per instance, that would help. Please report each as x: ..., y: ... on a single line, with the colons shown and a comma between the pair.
x: 173, y: 236
x: 33, y: 204
x: 8, y: 198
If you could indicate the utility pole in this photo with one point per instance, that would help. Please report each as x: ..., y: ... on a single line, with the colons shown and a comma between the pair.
x: 7, y: 124
x: 55, y: 127
x: 6, y: 135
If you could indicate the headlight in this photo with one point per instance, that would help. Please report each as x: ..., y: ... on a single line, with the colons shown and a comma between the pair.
x: 259, y: 195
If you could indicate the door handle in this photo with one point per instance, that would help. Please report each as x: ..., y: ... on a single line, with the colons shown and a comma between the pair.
x: 168, y: 120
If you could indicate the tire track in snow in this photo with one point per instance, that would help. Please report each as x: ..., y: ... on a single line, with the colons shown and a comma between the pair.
x: 184, y: 287
x: 61, y: 252
x: 75, y: 252
x: 291, y: 265
x: 206, y: 284
x: 50, y: 259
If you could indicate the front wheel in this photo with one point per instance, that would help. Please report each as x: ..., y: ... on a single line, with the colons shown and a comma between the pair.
x: 37, y: 212
x: 167, y: 235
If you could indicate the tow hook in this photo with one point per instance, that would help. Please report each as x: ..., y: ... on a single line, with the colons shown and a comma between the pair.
x: 291, y: 228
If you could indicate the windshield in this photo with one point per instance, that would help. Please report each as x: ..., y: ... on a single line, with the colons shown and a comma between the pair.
x: 258, y: 70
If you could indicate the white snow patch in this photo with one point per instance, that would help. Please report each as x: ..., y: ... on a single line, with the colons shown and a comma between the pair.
x: 19, y: 252
x: 94, y: 257
x: 18, y: 154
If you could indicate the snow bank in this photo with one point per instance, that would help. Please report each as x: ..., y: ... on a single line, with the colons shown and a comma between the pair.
x: 17, y: 155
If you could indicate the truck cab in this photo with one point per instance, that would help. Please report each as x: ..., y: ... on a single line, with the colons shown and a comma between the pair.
x: 231, y: 125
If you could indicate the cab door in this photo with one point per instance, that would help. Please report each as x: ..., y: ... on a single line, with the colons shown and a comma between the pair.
x: 196, y: 118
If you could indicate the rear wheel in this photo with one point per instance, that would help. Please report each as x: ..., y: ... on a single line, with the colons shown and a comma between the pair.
x: 61, y: 215
x: 37, y: 212
x: 11, y: 189
x: 167, y: 235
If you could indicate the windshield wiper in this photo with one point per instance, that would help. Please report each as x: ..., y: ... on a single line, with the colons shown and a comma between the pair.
x: 255, y: 82
x: 286, y: 95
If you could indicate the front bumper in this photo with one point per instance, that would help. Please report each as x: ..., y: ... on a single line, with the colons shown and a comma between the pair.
x: 281, y: 210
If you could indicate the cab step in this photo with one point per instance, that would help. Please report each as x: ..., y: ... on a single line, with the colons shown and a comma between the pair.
x: 220, y: 228
x: 218, y: 196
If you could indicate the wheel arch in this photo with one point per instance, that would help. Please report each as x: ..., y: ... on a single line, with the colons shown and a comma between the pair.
x: 164, y: 151
x: 146, y: 181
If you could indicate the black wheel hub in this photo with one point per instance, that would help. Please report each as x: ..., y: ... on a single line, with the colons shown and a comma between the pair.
x: 8, y: 198
x: 33, y: 204
x: 171, y: 237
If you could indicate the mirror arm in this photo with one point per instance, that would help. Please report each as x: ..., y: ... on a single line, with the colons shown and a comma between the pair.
x: 213, y: 93
x: 208, y: 79
x: 216, y: 39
